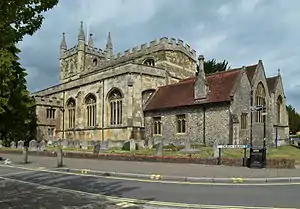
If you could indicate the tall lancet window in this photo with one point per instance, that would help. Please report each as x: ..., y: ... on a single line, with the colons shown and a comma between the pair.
x: 90, y: 102
x: 71, y: 106
x: 115, y: 99
x: 260, y: 100
x: 279, y: 106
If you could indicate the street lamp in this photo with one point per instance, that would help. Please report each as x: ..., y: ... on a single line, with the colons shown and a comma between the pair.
x: 264, y: 114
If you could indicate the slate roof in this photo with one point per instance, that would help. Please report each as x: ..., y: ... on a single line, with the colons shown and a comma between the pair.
x: 181, y: 94
x: 271, y: 82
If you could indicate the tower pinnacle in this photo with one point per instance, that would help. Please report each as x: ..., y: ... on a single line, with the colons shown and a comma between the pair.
x: 63, y: 44
x: 81, y: 35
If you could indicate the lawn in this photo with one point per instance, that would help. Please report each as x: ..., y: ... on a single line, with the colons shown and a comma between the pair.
x: 204, y: 152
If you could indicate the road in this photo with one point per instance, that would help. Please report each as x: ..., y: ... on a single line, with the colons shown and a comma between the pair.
x: 42, y: 189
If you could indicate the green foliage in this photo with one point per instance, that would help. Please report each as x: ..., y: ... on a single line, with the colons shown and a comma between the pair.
x: 20, y: 18
x: 17, y: 108
x: 294, y: 119
x: 212, y: 66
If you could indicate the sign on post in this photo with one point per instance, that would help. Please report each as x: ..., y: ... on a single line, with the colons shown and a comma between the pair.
x: 237, y: 146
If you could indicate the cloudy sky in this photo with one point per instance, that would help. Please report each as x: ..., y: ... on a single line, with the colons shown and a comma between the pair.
x: 239, y: 31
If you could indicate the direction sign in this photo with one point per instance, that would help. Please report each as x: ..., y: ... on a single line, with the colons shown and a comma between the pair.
x: 237, y: 146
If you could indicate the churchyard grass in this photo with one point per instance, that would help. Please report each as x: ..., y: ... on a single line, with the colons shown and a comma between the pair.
x: 204, y: 152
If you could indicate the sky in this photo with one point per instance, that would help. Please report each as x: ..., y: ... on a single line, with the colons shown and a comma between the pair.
x: 239, y: 31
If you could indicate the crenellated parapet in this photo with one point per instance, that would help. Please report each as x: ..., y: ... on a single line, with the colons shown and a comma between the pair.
x: 95, y: 51
x: 70, y: 52
x: 47, y: 101
x: 164, y: 43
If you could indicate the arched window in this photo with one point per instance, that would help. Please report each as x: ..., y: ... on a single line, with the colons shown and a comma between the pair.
x: 95, y: 61
x: 146, y: 95
x: 279, y: 107
x: 71, y: 105
x: 260, y: 100
x: 149, y: 62
x: 90, y: 102
x: 115, y: 102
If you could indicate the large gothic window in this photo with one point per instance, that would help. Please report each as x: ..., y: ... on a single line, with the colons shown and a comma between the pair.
x: 90, y: 102
x: 115, y: 103
x: 279, y: 107
x: 260, y: 100
x: 71, y: 105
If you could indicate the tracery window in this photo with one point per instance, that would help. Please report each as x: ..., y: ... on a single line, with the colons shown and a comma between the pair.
x: 90, y: 102
x: 260, y: 100
x: 115, y: 99
x: 71, y: 106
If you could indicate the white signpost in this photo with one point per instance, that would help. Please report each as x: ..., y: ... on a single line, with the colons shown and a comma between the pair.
x: 237, y: 146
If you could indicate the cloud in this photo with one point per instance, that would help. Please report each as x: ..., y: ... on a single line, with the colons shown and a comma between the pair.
x: 240, y: 31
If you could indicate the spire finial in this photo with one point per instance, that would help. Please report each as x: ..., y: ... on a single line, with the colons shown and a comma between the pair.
x: 109, y: 46
x: 63, y: 44
x: 278, y: 71
x: 81, y: 35
x: 91, y: 42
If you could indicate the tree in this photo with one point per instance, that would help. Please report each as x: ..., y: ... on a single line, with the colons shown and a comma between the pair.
x: 17, y: 108
x: 20, y: 18
x: 212, y: 66
x: 294, y: 119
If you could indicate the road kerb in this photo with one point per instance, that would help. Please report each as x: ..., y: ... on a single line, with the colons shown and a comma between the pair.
x: 158, y: 177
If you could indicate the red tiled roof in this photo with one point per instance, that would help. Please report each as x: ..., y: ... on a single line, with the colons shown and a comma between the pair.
x: 250, y: 71
x: 182, y: 93
x: 271, y: 82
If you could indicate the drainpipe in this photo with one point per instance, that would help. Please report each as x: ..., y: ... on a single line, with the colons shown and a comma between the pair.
x: 204, y: 125
x: 103, y: 104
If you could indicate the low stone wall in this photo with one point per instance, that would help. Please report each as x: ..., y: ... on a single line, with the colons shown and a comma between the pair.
x: 271, y: 163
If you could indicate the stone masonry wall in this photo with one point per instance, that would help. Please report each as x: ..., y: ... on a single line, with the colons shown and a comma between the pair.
x: 241, y: 104
x: 216, y: 125
x: 257, y: 130
x: 132, y: 103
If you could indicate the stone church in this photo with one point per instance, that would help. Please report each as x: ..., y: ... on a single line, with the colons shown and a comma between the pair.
x: 150, y: 92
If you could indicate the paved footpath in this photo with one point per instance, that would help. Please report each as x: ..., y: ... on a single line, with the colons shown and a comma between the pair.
x: 170, y: 169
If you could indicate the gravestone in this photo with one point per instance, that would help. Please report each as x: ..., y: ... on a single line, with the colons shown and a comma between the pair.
x: 1, y: 143
x: 84, y: 144
x: 20, y: 144
x: 71, y: 144
x: 187, y: 148
x: 42, y: 145
x: 159, y: 149
x: 132, y: 145
x: 141, y: 144
x: 76, y: 144
x: 96, y: 149
x: 216, y: 149
x: 33, y: 145
x: 149, y: 144
x: 104, y: 145
x: 64, y: 144
x: 13, y: 145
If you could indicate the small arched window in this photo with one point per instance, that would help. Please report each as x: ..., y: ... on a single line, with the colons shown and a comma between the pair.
x: 146, y: 95
x: 90, y: 102
x: 115, y: 98
x: 95, y: 61
x: 71, y: 105
x: 149, y: 62
x: 279, y: 107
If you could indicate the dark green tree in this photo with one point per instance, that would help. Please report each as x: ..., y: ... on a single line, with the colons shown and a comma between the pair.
x: 294, y: 119
x: 17, y: 108
x: 212, y: 66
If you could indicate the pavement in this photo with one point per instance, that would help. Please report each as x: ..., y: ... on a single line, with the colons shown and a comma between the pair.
x: 165, y: 171
x: 32, y: 188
